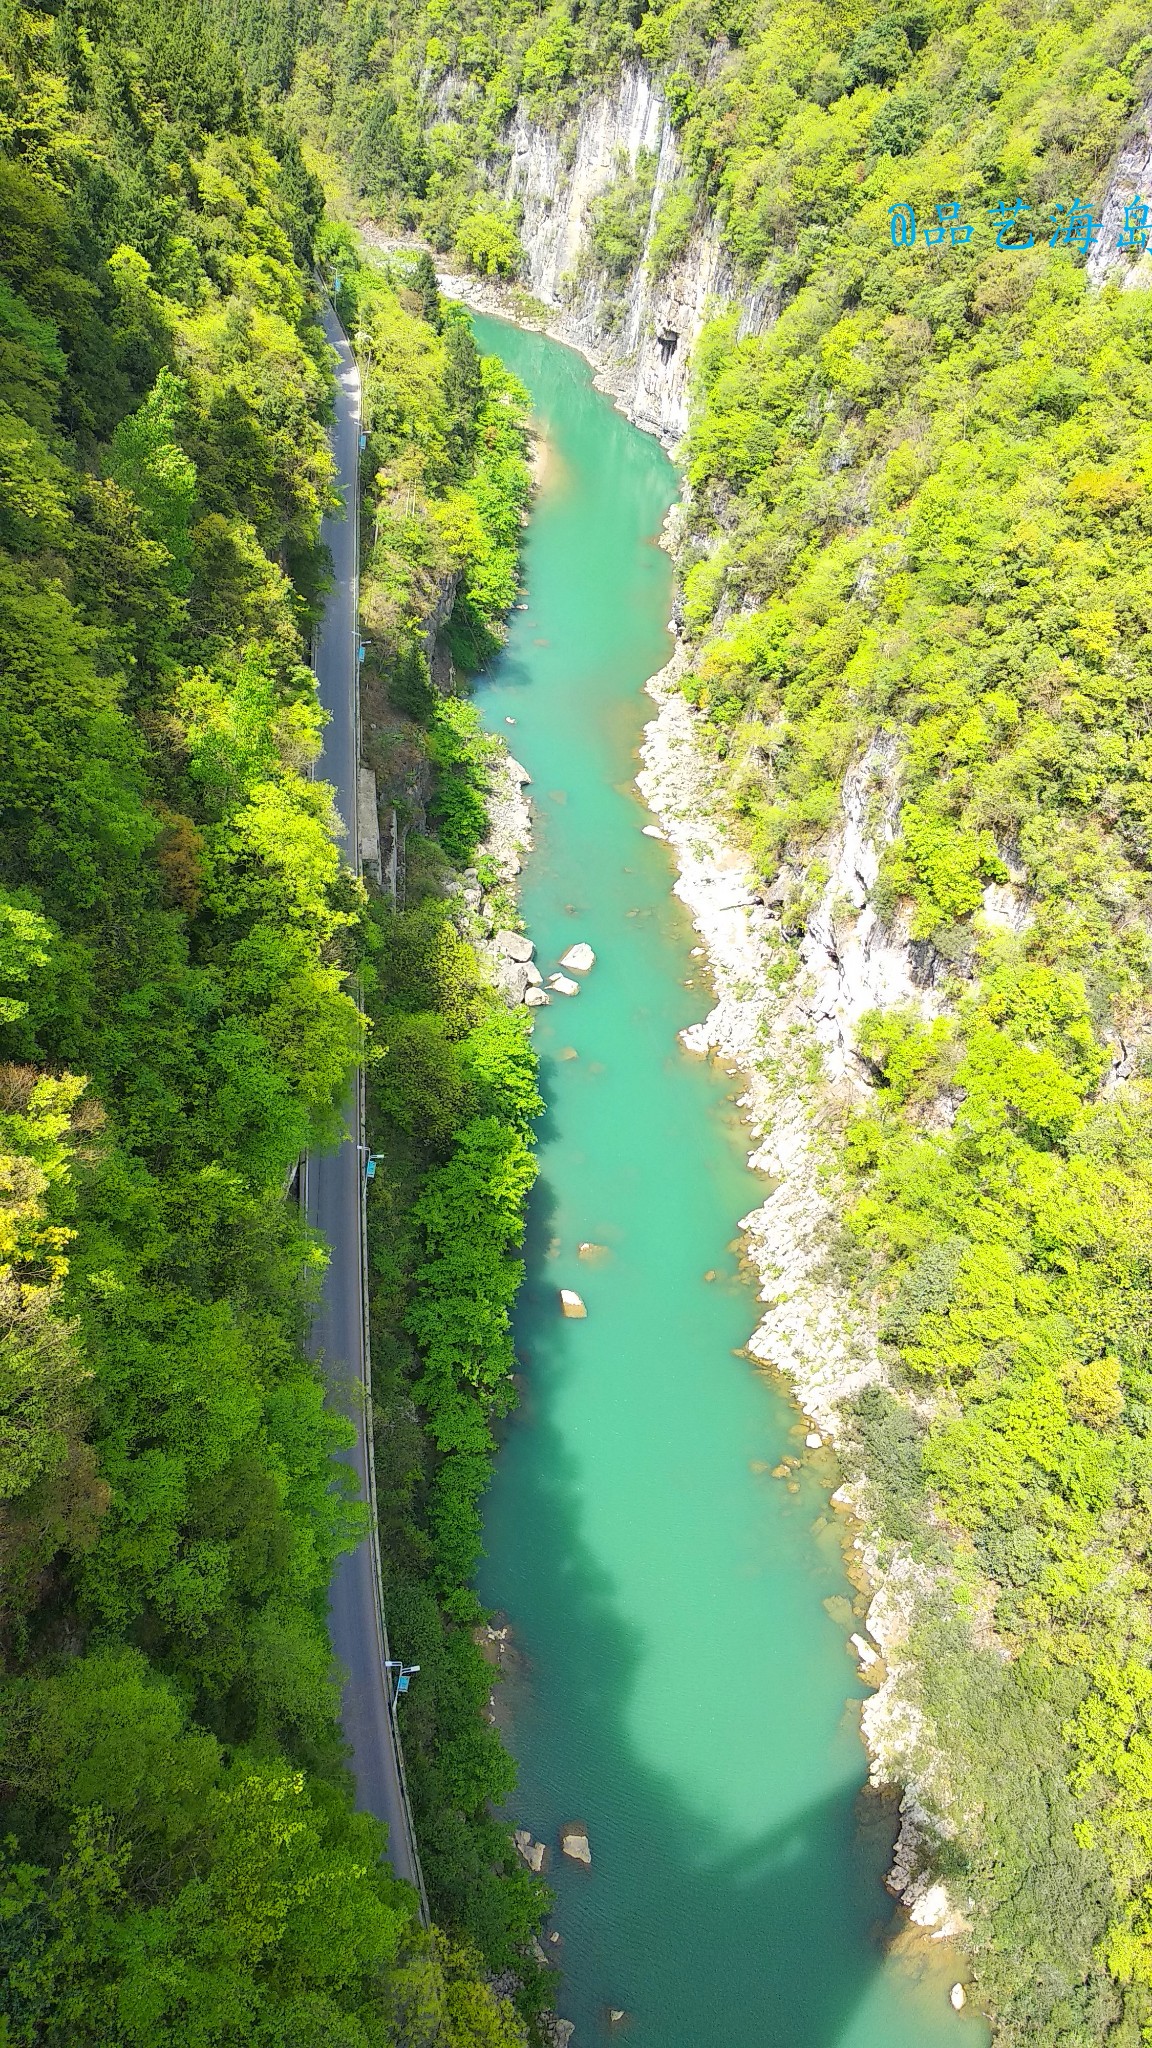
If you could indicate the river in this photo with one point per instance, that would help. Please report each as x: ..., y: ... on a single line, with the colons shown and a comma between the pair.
x: 681, y: 1682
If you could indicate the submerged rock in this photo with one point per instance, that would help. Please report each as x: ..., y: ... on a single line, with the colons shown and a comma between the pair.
x: 579, y: 958
x: 571, y: 1303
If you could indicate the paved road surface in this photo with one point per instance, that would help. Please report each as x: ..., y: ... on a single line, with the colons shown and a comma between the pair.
x: 334, y: 1193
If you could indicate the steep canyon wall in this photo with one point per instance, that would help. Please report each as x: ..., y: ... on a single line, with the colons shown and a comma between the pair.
x: 639, y: 331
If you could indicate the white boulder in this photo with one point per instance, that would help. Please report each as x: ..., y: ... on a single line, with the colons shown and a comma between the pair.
x: 563, y: 985
x: 571, y: 1303
x: 513, y: 945
x: 579, y: 958
x: 575, y: 1844
x: 512, y: 977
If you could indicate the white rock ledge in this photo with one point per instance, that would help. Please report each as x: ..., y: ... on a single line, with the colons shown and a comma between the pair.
x: 809, y: 1331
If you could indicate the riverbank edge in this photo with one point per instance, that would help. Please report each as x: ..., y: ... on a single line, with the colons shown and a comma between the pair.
x: 475, y: 910
x: 811, y: 1337
x: 505, y: 301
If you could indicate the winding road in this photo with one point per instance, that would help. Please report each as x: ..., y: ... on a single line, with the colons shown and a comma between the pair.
x: 333, y: 1199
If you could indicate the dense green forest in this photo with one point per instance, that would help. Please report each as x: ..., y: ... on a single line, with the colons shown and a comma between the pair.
x: 917, y: 536
x: 917, y: 540
x: 178, y: 941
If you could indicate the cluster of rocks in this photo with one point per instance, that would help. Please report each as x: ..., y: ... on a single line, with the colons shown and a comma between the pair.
x: 574, y: 1844
x: 516, y: 971
x: 534, y: 1854
x: 521, y: 980
x: 809, y: 1330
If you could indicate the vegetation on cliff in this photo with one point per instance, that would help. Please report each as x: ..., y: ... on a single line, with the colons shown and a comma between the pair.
x: 919, y: 547
x: 181, y: 1857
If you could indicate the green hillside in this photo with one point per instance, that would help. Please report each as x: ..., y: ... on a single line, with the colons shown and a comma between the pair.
x: 178, y: 937
x: 917, y: 538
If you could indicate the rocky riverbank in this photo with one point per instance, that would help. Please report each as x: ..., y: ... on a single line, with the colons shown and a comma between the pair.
x: 781, y: 1020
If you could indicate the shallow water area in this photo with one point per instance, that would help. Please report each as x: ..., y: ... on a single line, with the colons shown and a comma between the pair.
x: 680, y: 1686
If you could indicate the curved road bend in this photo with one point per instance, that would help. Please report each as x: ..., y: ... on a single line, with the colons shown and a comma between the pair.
x: 334, y: 1197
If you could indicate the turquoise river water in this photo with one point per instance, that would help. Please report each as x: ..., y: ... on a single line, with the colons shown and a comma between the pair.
x: 681, y: 1682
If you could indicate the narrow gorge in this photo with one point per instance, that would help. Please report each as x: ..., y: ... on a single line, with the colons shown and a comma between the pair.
x: 847, y: 962
x: 575, y: 1024
x: 673, y: 1615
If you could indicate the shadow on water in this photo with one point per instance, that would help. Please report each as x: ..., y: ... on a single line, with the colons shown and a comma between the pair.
x: 759, y: 1912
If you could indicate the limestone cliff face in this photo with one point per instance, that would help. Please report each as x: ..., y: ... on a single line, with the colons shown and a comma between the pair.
x: 639, y: 332
x: 1131, y: 179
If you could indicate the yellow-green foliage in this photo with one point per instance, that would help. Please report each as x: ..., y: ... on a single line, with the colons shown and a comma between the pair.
x: 445, y: 469
x: 933, y: 473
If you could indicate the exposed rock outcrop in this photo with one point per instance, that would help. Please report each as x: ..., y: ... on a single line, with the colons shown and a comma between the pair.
x: 1131, y: 179
x: 809, y: 1330
x: 639, y: 333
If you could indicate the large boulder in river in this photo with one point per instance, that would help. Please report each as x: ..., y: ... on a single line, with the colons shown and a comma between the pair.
x: 575, y: 1844
x: 513, y: 945
x: 579, y: 958
x: 571, y: 1302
